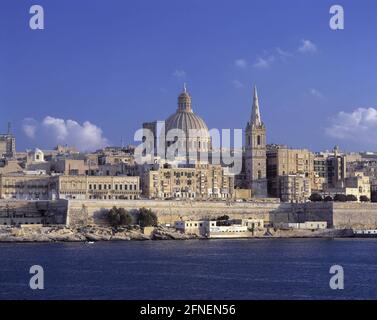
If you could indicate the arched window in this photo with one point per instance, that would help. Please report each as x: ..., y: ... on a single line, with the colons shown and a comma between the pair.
x: 259, y: 140
x: 259, y: 174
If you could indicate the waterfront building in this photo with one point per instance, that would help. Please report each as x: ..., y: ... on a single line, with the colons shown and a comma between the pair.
x: 307, y: 225
x: 197, y: 227
x: 212, y: 229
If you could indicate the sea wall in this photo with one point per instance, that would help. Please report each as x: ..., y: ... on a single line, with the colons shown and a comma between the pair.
x: 94, y: 211
x: 355, y: 215
x: 16, y: 212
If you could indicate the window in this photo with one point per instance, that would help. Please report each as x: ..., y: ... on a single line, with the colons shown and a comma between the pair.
x: 259, y: 140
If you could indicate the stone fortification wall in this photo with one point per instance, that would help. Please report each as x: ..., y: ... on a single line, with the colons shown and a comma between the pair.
x: 16, y: 212
x: 94, y: 211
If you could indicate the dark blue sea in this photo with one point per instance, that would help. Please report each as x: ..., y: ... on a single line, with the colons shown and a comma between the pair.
x: 216, y: 269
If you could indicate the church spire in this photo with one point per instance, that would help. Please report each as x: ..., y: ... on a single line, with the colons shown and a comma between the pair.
x: 255, y: 113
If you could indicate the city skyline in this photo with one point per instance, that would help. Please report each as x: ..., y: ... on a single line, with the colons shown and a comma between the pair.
x: 129, y: 68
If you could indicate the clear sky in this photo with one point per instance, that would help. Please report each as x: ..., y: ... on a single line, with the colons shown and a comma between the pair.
x: 109, y: 65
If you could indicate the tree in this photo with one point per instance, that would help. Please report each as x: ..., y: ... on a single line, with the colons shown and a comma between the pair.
x: 364, y: 199
x: 119, y: 217
x: 351, y: 198
x: 316, y: 197
x: 147, y: 218
x: 328, y: 199
x: 223, y: 218
x: 340, y: 198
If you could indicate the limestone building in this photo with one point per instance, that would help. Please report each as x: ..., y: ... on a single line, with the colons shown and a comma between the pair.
x: 283, y: 161
x: 95, y: 187
x: 7, y: 145
x: 255, y: 151
x: 23, y: 186
x: 202, y: 181
x: 294, y: 188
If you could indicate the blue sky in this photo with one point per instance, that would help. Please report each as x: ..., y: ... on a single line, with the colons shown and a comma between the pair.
x: 118, y: 63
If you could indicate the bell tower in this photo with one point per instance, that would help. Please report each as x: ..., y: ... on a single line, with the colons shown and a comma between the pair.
x: 255, y: 151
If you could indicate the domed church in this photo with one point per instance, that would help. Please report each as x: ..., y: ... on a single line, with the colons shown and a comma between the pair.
x: 196, y: 136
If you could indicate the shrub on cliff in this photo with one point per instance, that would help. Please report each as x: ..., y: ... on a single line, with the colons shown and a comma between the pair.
x: 351, y: 198
x: 119, y: 217
x: 340, y: 198
x: 146, y: 218
x: 364, y: 199
x: 223, y: 218
x: 316, y: 197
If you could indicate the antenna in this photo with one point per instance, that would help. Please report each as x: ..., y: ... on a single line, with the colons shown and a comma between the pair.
x: 9, y: 127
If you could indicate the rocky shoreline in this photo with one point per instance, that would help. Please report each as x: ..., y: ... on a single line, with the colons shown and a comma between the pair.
x: 87, y: 234
x: 98, y: 233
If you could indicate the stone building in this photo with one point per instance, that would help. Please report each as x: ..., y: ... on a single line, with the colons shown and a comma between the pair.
x: 283, y: 161
x: 358, y: 185
x: 7, y: 145
x: 294, y: 188
x: 95, y: 187
x: 255, y: 152
x: 23, y: 186
x: 202, y: 181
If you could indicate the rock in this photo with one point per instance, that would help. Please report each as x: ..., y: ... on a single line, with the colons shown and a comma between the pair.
x: 163, y: 233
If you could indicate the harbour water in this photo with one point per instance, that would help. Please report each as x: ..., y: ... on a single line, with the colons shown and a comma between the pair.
x: 197, y: 269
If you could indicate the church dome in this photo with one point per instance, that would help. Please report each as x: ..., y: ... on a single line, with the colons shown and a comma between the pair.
x: 185, y: 121
x: 184, y: 118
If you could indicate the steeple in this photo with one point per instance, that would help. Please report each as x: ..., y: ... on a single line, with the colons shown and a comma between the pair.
x: 255, y: 113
